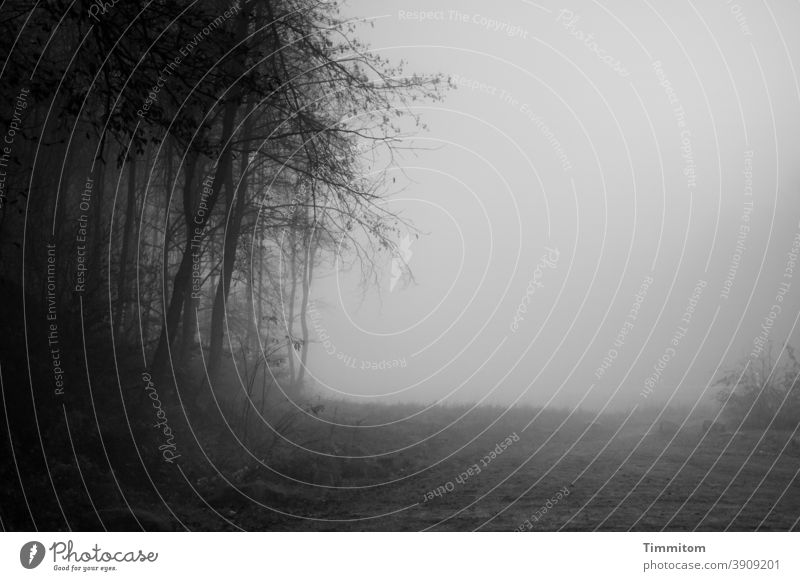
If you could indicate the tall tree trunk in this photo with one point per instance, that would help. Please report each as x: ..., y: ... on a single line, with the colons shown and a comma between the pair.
x: 152, y: 256
x: 190, y: 303
x: 291, y: 306
x: 130, y: 217
x: 235, y: 213
x: 189, y: 322
x: 183, y: 277
x: 233, y: 217
x: 96, y: 214
x: 260, y: 307
x: 308, y: 275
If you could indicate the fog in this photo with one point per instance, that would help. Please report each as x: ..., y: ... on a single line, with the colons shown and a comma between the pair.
x: 328, y: 265
x: 604, y: 208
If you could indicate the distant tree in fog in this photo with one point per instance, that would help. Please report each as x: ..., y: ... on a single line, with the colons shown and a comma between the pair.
x: 763, y: 391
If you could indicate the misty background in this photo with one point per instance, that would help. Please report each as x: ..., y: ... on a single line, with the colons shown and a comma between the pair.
x: 640, y: 165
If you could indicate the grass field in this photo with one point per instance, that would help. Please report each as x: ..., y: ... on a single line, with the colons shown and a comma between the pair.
x: 442, y: 469
x: 267, y: 464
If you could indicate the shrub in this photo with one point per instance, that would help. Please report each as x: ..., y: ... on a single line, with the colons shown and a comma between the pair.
x: 763, y: 392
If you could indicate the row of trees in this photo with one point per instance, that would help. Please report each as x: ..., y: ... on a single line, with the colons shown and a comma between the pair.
x: 173, y: 173
x: 192, y: 163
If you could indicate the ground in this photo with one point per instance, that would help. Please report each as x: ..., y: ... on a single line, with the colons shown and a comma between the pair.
x: 327, y: 465
x: 600, y: 478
